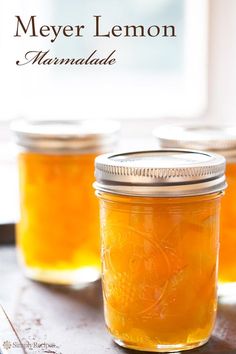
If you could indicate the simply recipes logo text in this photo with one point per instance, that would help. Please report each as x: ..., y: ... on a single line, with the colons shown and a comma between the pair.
x: 32, y: 28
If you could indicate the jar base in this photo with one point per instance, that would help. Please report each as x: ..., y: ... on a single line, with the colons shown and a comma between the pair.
x: 78, y: 278
x: 175, y: 348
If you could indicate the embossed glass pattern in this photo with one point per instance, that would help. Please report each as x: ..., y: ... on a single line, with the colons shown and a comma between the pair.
x: 221, y: 139
x: 159, y: 272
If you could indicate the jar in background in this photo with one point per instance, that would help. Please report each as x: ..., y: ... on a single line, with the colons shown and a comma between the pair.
x: 220, y: 139
x: 58, y: 231
x: 159, y: 215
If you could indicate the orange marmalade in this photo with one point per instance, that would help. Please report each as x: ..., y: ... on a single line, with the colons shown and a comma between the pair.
x: 160, y: 229
x: 58, y: 232
x: 221, y: 139
x: 227, y: 265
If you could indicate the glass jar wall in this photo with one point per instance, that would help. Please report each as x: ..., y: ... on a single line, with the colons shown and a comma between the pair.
x: 58, y: 232
x: 221, y: 139
x: 160, y: 238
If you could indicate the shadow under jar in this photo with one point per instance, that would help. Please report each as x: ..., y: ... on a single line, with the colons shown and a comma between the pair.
x: 159, y: 215
x: 58, y: 232
x: 220, y: 139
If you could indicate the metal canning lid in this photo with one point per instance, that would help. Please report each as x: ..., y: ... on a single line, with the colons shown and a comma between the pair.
x: 160, y: 173
x: 65, y: 136
x: 218, y: 138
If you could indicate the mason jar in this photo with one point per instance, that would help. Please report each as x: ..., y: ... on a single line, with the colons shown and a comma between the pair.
x: 58, y: 230
x: 159, y: 213
x: 220, y: 139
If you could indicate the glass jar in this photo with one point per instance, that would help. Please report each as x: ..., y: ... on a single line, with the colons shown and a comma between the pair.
x: 160, y: 224
x: 58, y: 231
x: 220, y: 139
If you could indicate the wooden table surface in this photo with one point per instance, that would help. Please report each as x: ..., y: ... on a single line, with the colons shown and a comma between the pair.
x: 60, y: 320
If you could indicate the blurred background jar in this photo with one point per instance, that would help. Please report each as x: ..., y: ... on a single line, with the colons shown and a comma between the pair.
x: 220, y: 139
x: 160, y: 227
x: 58, y: 231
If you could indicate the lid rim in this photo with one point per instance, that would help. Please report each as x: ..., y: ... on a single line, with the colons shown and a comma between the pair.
x: 55, y: 135
x: 210, y: 137
x: 121, y: 177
